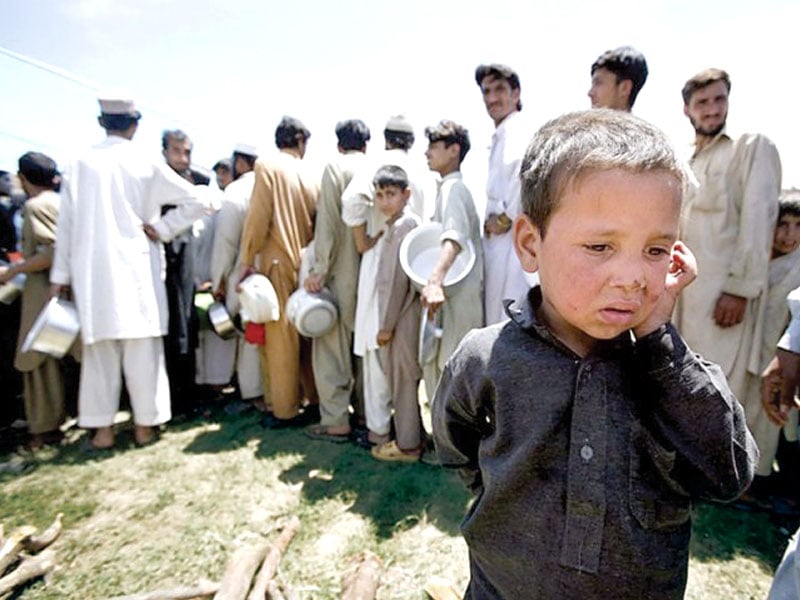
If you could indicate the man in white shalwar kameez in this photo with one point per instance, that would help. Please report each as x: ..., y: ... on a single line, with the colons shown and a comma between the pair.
x: 504, y: 277
x: 108, y: 250
x: 731, y: 216
x: 226, y: 266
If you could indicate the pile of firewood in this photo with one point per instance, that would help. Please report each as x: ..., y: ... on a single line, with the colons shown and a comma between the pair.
x: 24, y: 555
x: 251, y: 570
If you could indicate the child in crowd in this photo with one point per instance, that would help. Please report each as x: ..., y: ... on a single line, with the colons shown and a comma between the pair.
x: 784, y: 276
x: 462, y: 308
x: 391, y: 371
x: 584, y: 425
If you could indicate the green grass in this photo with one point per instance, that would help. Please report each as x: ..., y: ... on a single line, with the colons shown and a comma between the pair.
x: 170, y: 514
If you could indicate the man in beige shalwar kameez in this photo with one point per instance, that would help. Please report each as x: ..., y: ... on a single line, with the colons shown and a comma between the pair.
x: 335, y: 266
x: 42, y: 374
x: 279, y: 224
x: 729, y: 226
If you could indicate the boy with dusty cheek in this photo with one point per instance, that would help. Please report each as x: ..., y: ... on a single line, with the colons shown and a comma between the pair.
x: 584, y: 425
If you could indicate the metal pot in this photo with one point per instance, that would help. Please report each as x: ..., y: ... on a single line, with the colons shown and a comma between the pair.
x: 11, y: 289
x: 419, y: 254
x: 54, y: 330
x: 313, y: 315
x: 221, y: 321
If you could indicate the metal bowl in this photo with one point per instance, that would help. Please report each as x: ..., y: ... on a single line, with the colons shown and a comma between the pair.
x: 419, y: 254
x: 12, y: 288
x: 312, y: 314
x: 54, y: 330
x: 221, y: 321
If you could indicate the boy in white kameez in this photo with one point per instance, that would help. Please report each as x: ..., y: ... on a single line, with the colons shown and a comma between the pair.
x: 773, y: 315
x: 369, y: 335
x: 461, y: 309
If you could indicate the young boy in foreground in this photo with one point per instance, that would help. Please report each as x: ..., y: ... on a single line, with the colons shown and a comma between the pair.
x: 585, y: 426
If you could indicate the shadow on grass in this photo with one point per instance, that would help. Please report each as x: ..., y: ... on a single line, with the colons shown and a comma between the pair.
x: 391, y: 495
x: 721, y: 532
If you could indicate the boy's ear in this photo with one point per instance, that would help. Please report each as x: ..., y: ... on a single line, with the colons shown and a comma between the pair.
x: 527, y: 240
x: 407, y: 193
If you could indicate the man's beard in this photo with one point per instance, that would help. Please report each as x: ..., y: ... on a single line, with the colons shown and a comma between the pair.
x: 708, y: 132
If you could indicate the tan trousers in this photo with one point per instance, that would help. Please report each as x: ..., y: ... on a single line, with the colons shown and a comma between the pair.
x: 286, y: 378
x: 44, y: 397
x: 333, y: 374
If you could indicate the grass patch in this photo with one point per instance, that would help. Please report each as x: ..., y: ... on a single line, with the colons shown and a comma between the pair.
x: 170, y: 514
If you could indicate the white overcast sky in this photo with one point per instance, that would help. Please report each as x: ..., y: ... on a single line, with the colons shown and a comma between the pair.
x: 227, y: 71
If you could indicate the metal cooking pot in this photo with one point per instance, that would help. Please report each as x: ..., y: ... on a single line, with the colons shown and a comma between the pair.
x: 221, y: 321
x: 54, y: 330
x: 419, y: 254
x: 313, y: 315
x: 12, y: 288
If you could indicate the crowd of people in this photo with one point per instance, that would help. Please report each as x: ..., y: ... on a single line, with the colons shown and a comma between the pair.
x: 579, y: 385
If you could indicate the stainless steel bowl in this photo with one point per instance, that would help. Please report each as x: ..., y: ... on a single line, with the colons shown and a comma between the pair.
x: 419, y: 254
x: 54, y: 330
x: 221, y: 321
x: 12, y: 288
x: 312, y: 314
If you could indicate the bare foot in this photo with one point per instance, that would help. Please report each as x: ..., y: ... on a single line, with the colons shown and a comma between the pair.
x: 103, y: 438
x: 143, y: 435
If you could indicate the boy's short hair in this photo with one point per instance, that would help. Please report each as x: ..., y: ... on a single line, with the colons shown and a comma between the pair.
x: 390, y: 175
x: 789, y: 203
x: 625, y: 62
x: 577, y: 143
x: 498, y: 71
x: 352, y: 134
x: 40, y: 170
x: 703, y: 79
x: 450, y: 133
x: 289, y: 132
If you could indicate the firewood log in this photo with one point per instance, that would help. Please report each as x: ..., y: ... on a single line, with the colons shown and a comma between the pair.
x: 270, y: 566
x: 274, y: 591
x: 362, y: 580
x: 44, y: 539
x: 31, y: 567
x: 13, y: 546
x: 439, y: 588
x: 239, y: 572
x: 203, y: 589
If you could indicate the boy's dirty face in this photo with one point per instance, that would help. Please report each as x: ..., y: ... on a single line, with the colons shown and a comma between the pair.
x: 604, y: 258
x: 390, y: 199
x: 787, y: 235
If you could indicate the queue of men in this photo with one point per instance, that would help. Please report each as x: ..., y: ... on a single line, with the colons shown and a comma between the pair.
x: 129, y: 236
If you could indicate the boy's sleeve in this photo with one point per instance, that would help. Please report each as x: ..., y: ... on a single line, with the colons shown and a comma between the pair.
x: 456, y: 418
x: 690, y: 409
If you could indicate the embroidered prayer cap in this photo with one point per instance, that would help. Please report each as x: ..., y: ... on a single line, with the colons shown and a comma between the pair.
x: 118, y: 104
x: 400, y: 124
x: 246, y: 149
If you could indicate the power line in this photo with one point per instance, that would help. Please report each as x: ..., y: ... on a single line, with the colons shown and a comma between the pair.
x: 52, y: 69
x: 77, y: 79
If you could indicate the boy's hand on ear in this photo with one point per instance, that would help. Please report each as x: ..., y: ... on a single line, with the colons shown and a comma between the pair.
x: 682, y: 271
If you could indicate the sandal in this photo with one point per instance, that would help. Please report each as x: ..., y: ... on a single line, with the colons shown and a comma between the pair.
x: 321, y: 432
x: 391, y: 452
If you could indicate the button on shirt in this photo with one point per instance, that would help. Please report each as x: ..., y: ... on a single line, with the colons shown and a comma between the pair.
x: 584, y: 468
